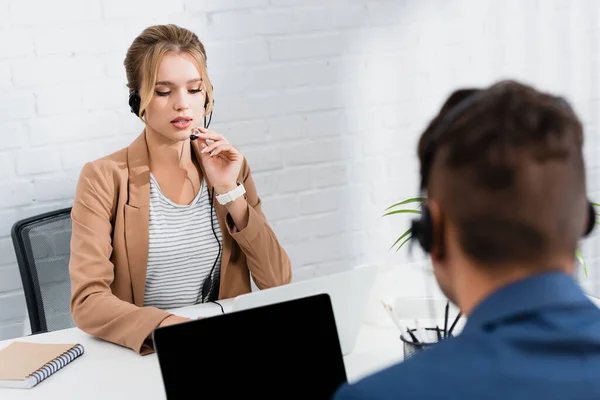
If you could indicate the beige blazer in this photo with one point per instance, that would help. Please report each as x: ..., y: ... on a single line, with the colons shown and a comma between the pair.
x: 109, y: 248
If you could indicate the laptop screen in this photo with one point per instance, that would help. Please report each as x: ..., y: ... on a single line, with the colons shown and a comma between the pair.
x: 284, y: 350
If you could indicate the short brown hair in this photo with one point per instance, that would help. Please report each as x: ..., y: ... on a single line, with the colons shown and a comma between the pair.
x: 145, y: 53
x: 509, y: 173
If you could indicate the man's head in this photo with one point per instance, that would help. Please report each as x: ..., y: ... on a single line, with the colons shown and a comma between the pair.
x: 504, y: 175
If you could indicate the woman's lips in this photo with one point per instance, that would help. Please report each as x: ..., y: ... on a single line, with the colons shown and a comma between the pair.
x: 181, y: 123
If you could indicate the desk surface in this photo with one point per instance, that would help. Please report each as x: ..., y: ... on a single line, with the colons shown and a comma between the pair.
x: 107, y: 370
x: 110, y: 371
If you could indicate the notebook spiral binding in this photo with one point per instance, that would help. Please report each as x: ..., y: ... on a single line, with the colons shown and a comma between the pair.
x: 61, y: 361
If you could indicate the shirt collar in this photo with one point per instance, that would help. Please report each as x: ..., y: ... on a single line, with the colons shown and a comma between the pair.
x: 543, y: 290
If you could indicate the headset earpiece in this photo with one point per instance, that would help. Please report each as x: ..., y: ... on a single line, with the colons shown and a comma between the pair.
x: 591, y: 219
x: 422, y: 230
x: 135, y: 102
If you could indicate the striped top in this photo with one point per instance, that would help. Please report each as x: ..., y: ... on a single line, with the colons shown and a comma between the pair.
x: 182, y: 249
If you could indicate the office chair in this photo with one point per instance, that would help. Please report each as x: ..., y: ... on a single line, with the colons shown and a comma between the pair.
x: 42, y: 246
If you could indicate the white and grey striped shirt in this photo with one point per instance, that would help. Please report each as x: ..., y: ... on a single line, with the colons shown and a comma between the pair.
x: 182, y: 249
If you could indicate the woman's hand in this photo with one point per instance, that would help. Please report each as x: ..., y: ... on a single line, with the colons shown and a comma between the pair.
x: 222, y: 161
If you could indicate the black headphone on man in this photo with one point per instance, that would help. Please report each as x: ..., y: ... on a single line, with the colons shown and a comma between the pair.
x: 422, y: 227
x: 135, y: 103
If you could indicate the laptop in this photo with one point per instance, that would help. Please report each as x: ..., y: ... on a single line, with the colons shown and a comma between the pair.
x: 349, y: 292
x: 283, y: 350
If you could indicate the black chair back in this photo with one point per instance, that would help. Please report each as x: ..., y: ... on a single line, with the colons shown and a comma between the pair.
x: 42, y: 245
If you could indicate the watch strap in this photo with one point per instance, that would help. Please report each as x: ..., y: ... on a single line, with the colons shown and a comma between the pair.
x: 232, y: 195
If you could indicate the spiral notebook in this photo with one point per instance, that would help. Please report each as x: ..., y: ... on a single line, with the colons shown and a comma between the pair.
x: 24, y: 365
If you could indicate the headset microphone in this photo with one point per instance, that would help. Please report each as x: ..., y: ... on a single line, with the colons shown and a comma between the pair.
x: 206, y: 124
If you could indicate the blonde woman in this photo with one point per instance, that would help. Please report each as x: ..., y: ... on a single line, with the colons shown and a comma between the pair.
x: 174, y: 219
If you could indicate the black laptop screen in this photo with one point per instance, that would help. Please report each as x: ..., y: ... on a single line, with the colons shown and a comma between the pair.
x: 285, y: 350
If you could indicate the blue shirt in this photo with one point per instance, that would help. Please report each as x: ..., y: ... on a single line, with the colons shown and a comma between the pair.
x: 538, y: 338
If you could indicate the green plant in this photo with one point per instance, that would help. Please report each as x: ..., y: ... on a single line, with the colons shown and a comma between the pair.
x: 395, y: 209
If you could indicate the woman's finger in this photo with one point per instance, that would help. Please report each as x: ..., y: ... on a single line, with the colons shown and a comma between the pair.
x: 212, y: 147
x: 208, y: 134
x: 224, y: 148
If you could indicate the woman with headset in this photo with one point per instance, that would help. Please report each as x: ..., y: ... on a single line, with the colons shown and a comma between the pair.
x: 174, y: 219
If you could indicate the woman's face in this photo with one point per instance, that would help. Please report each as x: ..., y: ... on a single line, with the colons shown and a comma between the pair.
x: 177, y: 104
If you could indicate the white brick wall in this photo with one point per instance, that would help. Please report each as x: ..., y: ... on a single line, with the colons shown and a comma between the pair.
x: 325, y: 98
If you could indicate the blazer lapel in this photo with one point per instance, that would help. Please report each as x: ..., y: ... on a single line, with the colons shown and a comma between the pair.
x: 221, y: 212
x: 137, y: 215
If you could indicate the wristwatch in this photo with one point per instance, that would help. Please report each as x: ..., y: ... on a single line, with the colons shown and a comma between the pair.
x: 231, y: 195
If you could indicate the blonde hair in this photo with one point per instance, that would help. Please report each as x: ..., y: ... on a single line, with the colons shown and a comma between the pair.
x: 145, y: 53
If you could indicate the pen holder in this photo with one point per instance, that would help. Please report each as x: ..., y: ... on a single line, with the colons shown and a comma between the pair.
x: 411, y: 348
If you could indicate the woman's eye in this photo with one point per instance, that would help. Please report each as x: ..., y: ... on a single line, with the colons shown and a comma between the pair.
x: 162, y: 93
x: 194, y: 91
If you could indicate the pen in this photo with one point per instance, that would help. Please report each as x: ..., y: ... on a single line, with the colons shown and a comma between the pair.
x: 454, y: 323
x: 412, y: 335
x: 398, y: 324
x: 446, y: 320
x: 421, y: 332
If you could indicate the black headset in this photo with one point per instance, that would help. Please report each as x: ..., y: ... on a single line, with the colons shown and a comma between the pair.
x: 422, y: 227
x: 135, y: 103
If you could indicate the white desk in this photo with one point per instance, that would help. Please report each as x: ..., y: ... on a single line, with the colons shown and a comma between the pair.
x: 110, y: 371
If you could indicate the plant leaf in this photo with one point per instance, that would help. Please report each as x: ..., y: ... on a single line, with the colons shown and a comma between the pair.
x: 403, y: 243
x: 402, y: 212
x: 597, y: 213
x: 407, y: 201
x: 582, y: 261
x: 400, y: 238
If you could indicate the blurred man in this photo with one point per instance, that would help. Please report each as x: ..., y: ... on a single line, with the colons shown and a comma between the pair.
x: 503, y: 172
